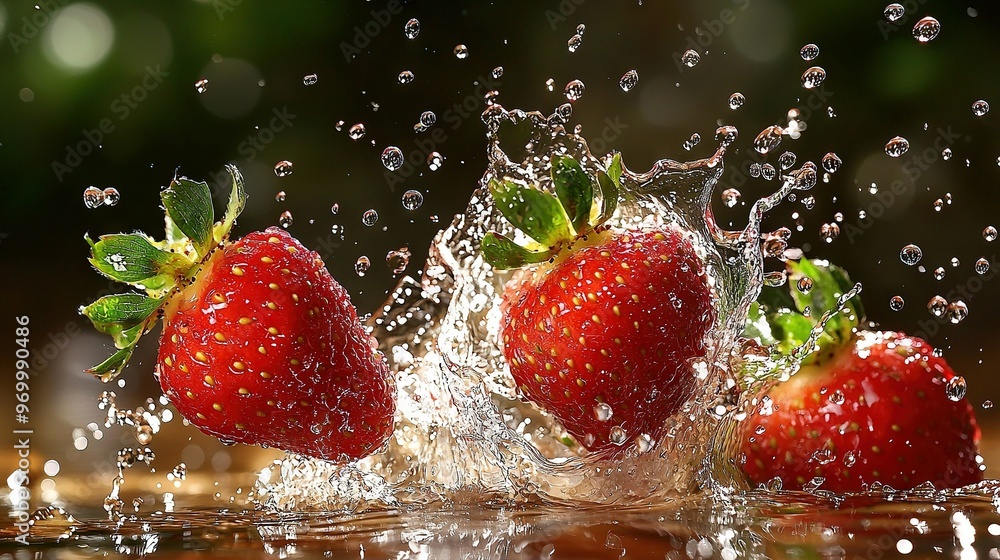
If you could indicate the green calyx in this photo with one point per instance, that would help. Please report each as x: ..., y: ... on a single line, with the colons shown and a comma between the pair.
x: 786, y: 318
x: 551, y: 221
x: 156, y: 267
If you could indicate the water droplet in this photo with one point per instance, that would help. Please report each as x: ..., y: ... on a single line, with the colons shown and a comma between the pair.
x: 990, y: 233
x: 398, y: 260
x: 581, y: 29
x: 412, y: 199
x: 629, y: 80
x: 461, y: 52
x: 339, y: 126
x: 392, y: 158
x: 618, y: 435
x: 805, y: 178
x: 837, y: 397
x: 938, y: 205
x: 603, y: 412
x: 335, y: 209
x: 813, y: 77
x: 896, y: 303
x: 831, y: 162
x: 755, y: 170
x: 809, y: 52
x: 310, y: 79
x: 955, y: 262
x: 768, y: 172
x: 768, y: 139
x: 434, y: 161
x: 982, y: 266
x: 987, y: 404
x: 356, y: 132
x: 957, y: 311
x: 574, y: 42
x: 428, y: 118
x: 786, y: 160
x: 894, y: 11
x: 804, y: 285
x: 412, y: 29
x: 910, y: 254
x: 926, y: 29
x: 946, y: 154
x: 730, y: 197
x: 362, y: 265
x: 93, y: 197
x: 736, y: 100
x: 574, y: 90
x: 937, y: 306
x: 285, y: 219
x: 939, y: 273
x: 111, y: 196
x: 980, y: 108
x: 280, y: 196
x: 897, y: 146
x: 955, y: 388
x: 829, y: 232
x: 692, y: 141
x: 369, y: 217
x: 201, y: 86
x: 405, y: 77
x: 283, y: 168
x: 839, y: 216
x: 497, y: 72
x: 550, y: 84
x: 850, y: 458
x: 690, y: 58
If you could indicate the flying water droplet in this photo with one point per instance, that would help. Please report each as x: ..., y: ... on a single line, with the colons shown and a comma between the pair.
x: 283, y: 168
x: 581, y: 29
x: 755, y: 170
x: 982, y: 266
x: 412, y: 199
x: 804, y: 285
x: 786, y: 160
x: 398, y: 260
x: 768, y: 172
x: 897, y: 146
x: 412, y: 29
x: 829, y: 232
x: 805, y: 178
x: 990, y: 233
x: 946, y: 154
x: 768, y: 139
x: 574, y: 42
x: 111, y: 196
x: 809, y: 52
x: 926, y: 29
x: 461, y: 52
x: 910, y: 254
x: 280, y: 196
x: 937, y: 306
x: 690, y: 58
x: 692, y: 141
x: 335, y: 209
x: 730, y: 197
x: 813, y: 77
x: 629, y: 80
x: 957, y: 311
x: 831, y: 162
x: 956, y: 388
x: 574, y: 90
x: 405, y: 77
x: 310, y: 79
x: 201, y: 86
x: 428, y: 118
x: 434, y: 161
x: 356, y: 132
x: 736, y: 100
x: 370, y: 217
x: 93, y: 197
x: 980, y: 108
x: 938, y: 205
x: 894, y: 11
x: 362, y: 265
x: 497, y: 72
x: 939, y: 273
x: 896, y: 303
x: 392, y: 158
x: 285, y: 219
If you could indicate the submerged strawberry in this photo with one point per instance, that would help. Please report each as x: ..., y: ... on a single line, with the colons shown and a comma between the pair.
x: 601, y: 332
x: 868, y: 407
x: 259, y: 344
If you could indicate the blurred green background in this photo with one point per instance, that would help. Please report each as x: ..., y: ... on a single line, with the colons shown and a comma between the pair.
x: 105, y: 94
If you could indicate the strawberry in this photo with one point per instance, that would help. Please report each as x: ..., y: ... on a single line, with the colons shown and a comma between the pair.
x: 260, y: 345
x: 600, y: 334
x: 867, y: 407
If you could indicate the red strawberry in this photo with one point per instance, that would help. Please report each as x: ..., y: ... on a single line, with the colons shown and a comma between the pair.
x: 873, y: 406
x: 600, y: 335
x: 259, y: 344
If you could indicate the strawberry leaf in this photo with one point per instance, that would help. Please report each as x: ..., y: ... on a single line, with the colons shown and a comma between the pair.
x: 189, y: 206
x: 538, y: 214
x: 574, y: 189
x: 132, y: 259
x: 502, y: 253
x: 110, y: 368
x: 237, y: 200
x: 615, y: 170
x: 828, y: 283
x: 117, y: 314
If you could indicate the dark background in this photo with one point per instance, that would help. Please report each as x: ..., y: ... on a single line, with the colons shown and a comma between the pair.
x: 881, y: 83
